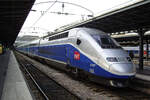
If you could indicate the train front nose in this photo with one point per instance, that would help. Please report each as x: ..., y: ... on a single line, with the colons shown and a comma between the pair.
x: 125, y: 71
x: 122, y: 68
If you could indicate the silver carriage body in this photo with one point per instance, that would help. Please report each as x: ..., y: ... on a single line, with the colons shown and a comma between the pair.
x: 91, y: 49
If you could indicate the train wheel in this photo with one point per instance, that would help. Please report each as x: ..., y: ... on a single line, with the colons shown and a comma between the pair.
x: 68, y: 69
x: 76, y: 73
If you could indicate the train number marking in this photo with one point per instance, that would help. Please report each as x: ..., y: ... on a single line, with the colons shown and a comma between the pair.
x: 92, y: 65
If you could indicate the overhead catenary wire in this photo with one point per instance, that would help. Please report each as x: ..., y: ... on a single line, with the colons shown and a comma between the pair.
x: 54, y: 2
x: 43, y: 13
x: 68, y: 3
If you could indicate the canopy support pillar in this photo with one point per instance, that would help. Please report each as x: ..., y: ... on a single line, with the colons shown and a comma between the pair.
x: 141, y: 32
x: 147, y: 48
x: 141, y: 38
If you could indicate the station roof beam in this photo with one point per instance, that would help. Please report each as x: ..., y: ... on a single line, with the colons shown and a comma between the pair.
x: 12, y: 16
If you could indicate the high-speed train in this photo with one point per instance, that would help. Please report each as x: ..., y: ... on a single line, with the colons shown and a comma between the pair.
x: 85, y: 52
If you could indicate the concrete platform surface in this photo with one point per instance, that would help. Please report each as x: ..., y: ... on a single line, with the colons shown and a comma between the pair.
x: 144, y: 74
x: 4, y: 58
x: 15, y: 87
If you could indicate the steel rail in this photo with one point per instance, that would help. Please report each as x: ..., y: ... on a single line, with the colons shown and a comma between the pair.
x: 44, y: 94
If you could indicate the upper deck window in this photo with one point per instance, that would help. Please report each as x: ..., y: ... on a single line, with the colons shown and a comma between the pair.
x: 105, y: 41
x: 59, y: 36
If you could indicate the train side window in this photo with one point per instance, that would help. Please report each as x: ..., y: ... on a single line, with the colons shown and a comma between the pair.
x: 63, y: 35
x: 50, y: 38
x: 66, y: 34
x: 78, y: 42
x: 53, y: 38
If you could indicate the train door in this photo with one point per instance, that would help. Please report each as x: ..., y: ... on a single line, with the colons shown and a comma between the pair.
x: 68, y: 55
x: 38, y: 47
x: 70, y: 48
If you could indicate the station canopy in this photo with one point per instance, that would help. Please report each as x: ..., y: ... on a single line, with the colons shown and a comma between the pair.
x: 12, y: 16
x: 130, y: 37
x: 131, y: 17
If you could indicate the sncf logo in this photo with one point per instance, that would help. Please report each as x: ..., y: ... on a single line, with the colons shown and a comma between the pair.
x: 76, y: 55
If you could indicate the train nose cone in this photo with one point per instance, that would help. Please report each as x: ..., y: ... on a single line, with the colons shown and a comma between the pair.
x: 122, y: 68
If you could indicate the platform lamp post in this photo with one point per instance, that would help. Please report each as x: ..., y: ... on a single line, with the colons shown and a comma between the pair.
x: 147, y: 48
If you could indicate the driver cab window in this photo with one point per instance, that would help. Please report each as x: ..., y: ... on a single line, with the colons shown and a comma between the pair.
x: 105, y: 41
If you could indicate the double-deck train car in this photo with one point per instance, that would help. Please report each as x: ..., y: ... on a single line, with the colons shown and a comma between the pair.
x: 85, y: 52
x: 135, y: 51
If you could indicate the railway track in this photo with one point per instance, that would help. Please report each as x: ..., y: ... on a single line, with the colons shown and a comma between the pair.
x: 129, y: 93
x: 49, y: 89
x: 91, y: 91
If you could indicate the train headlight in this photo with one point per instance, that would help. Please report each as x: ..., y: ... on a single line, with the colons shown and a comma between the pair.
x: 111, y: 59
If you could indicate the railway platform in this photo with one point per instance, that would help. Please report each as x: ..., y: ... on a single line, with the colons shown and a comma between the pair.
x: 12, y: 83
x: 144, y: 74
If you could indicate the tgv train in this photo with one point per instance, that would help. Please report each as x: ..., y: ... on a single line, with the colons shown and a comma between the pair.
x: 85, y: 52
